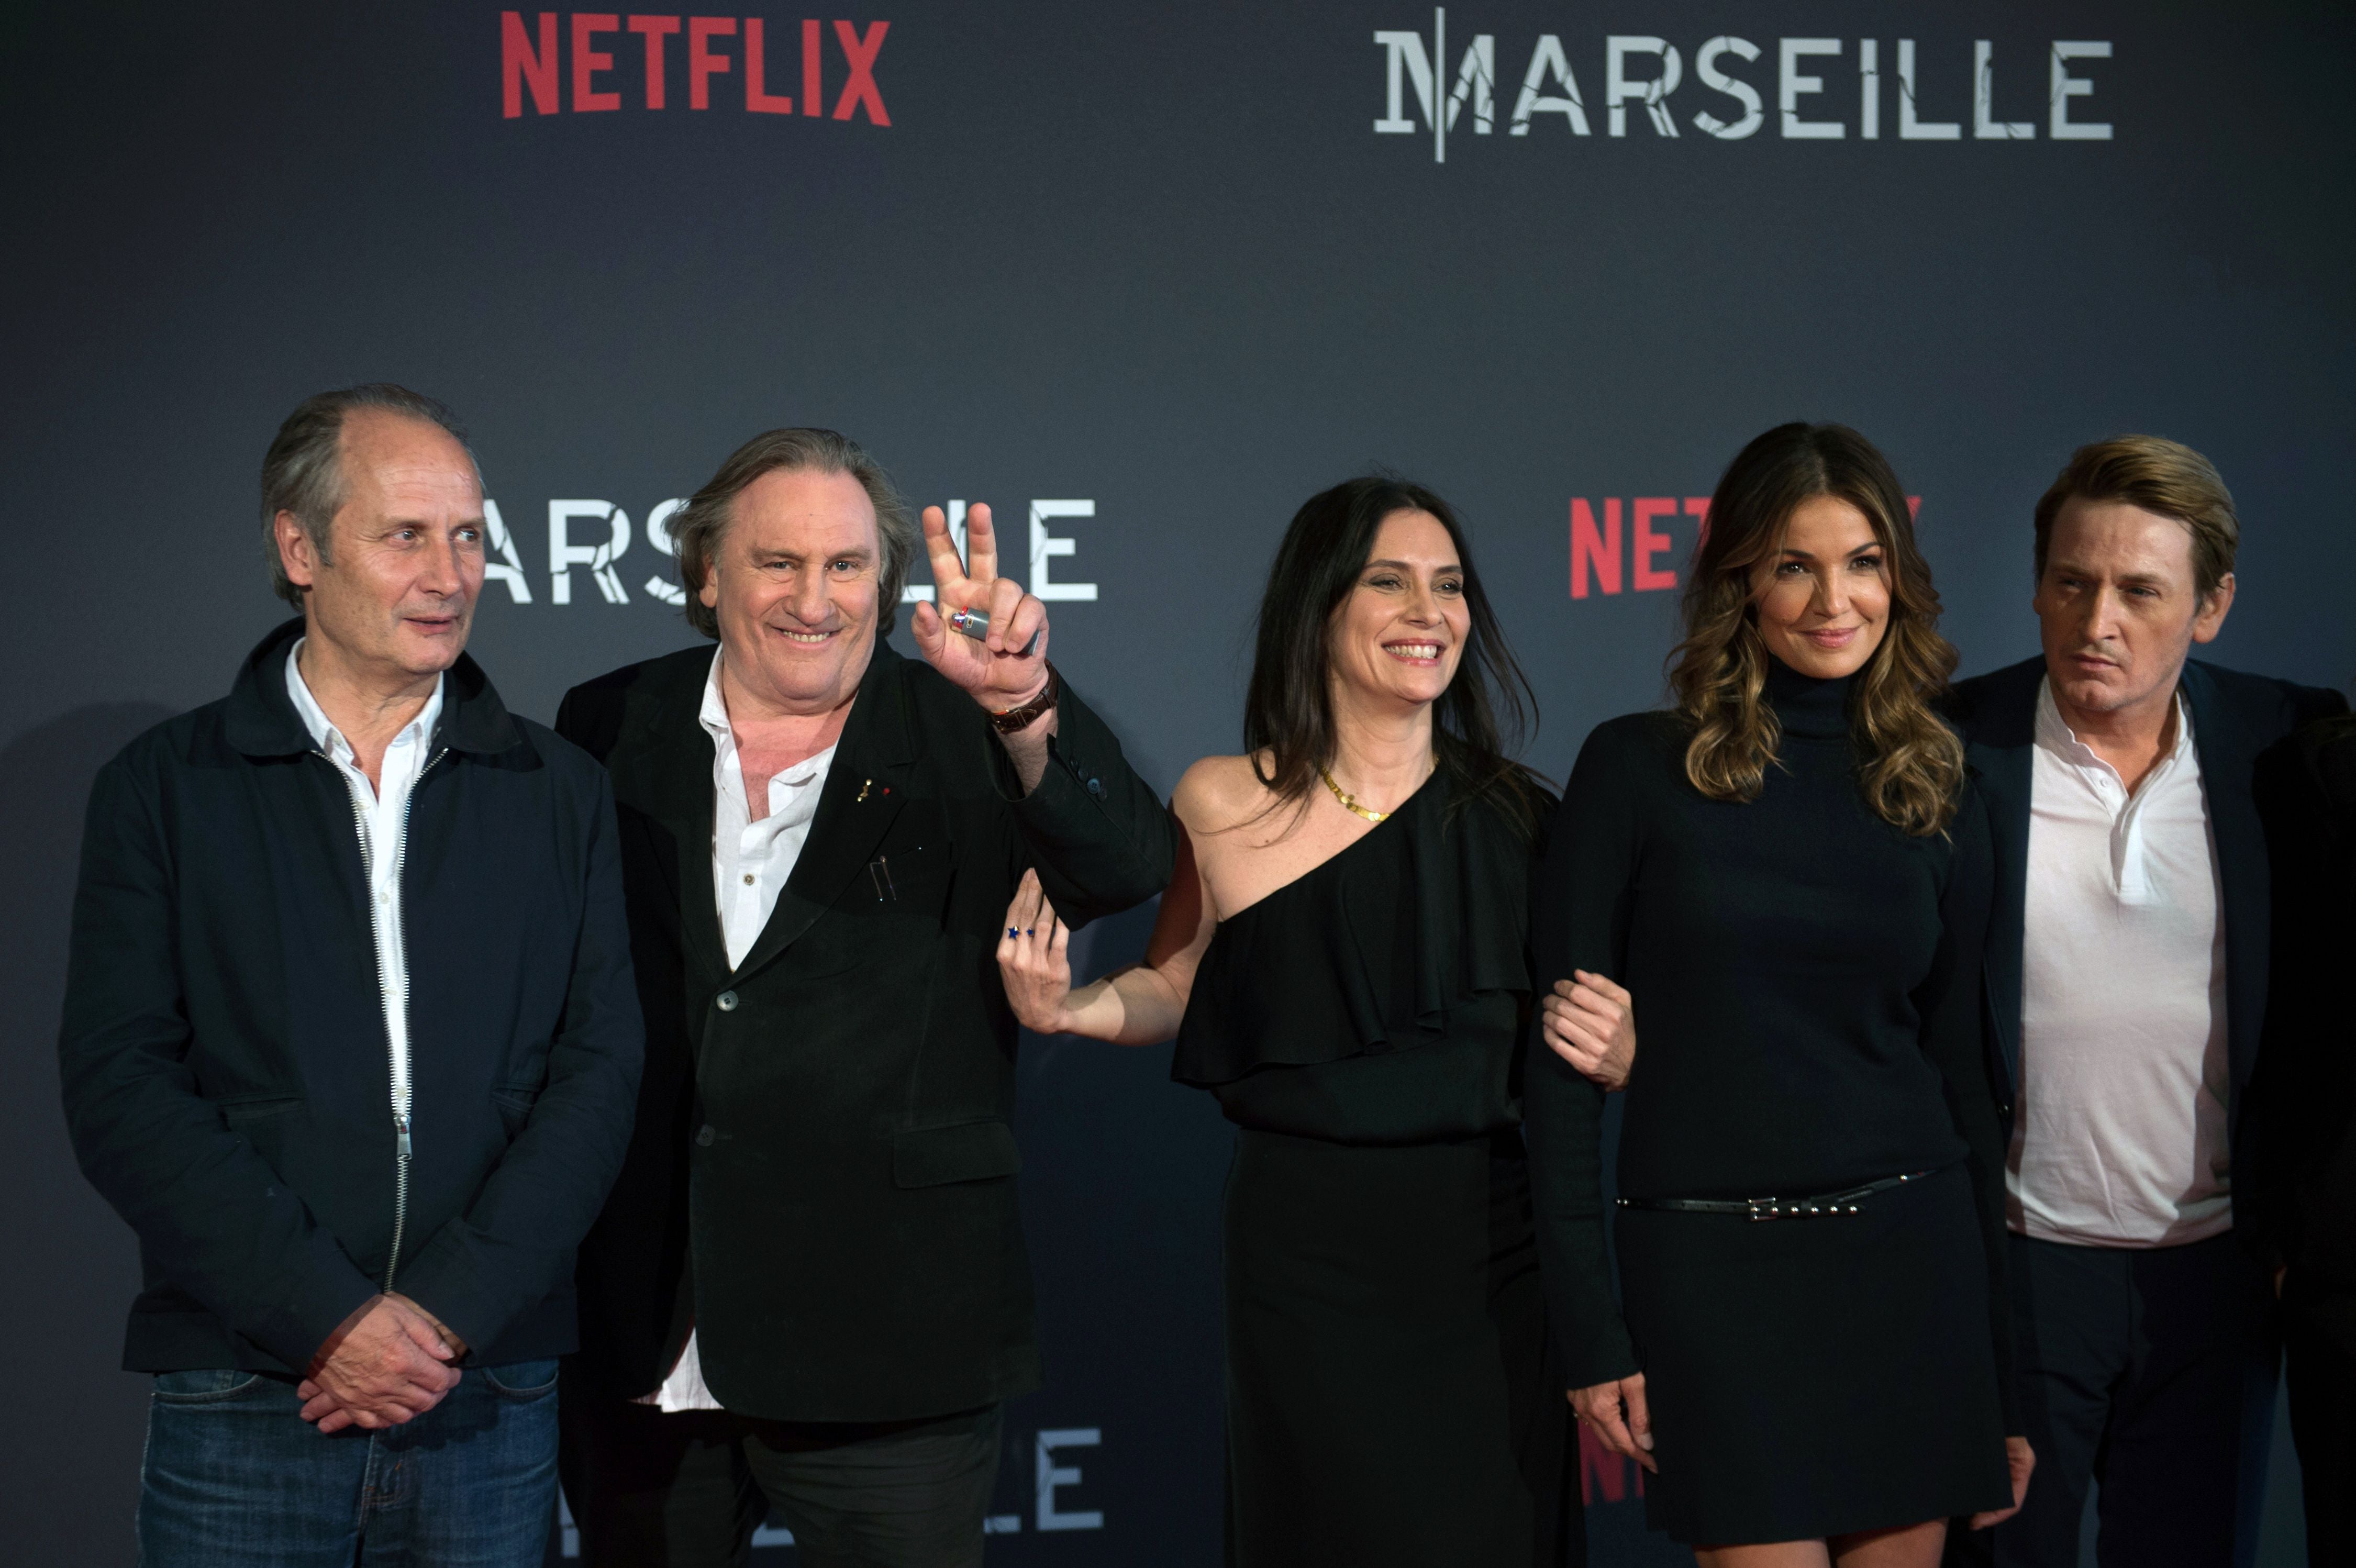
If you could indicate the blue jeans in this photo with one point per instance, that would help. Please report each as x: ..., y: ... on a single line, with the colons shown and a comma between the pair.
x: 234, y: 1475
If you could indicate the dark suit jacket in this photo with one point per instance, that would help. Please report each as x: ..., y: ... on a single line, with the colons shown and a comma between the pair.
x: 2234, y: 717
x: 822, y: 1177
x: 2305, y: 1095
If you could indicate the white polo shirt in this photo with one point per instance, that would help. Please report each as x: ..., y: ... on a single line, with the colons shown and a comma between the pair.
x: 2119, y: 1135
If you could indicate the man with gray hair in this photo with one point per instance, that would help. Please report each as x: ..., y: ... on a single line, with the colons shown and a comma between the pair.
x: 350, y: 1041
x: 809, y: 1290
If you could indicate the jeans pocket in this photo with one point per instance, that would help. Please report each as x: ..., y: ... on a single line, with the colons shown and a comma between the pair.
x: 522, y: 1382
x: 209, y: 1386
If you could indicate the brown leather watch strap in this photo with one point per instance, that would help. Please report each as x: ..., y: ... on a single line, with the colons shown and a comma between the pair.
x: 1021, y: 718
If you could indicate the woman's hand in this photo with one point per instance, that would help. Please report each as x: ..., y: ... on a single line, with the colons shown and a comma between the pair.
x: 1591, y: 1023
x: 2021, y: 1460
x: 1629, y: 1434
x: 1033, y: 959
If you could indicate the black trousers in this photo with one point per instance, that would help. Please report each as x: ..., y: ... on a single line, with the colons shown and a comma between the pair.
x: 687, y: 1489
x: 2319, y: 1342
x: 2151, y: 1372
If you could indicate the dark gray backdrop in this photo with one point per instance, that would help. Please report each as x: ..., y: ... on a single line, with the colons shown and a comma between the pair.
x: 1157, y: 259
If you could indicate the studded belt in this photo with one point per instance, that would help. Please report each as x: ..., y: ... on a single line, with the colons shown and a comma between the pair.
x: 1823, y: 1205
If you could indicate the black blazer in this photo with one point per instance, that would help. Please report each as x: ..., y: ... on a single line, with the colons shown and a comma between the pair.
x: 2304, y: 1099
x: 822, y: 1178
x: 2234, y: 717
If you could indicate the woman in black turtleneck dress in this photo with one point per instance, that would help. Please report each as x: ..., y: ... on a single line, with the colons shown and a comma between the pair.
x: 1792, y: 875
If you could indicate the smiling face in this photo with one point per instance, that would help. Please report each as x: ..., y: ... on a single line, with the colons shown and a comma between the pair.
x: 2119, y: 607
x: 1824, y: 597
x: 794, y: 585
x: 393, y: 594
x: 1400, y: 633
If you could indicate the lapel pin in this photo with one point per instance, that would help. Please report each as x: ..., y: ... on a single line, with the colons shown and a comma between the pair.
x: 864, y: 786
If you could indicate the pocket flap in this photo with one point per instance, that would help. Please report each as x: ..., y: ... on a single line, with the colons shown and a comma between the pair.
x: 971, y: 1151
x: 517, y: 1096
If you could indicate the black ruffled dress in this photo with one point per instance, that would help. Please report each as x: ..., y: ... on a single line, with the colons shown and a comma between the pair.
x: 1388, y: 1396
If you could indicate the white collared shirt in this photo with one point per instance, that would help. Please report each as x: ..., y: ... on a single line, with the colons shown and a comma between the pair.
x: 381, y: 813
x: 2119, y: 1139
x: 750, y: 859
x: 750, y: 862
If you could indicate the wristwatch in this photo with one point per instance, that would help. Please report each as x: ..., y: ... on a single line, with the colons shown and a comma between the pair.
x: 1021, y: 718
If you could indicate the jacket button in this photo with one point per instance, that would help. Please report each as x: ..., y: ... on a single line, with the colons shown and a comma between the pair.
x: 727, y: 1000
x: 705, y: 1137
x: 1095, y: 788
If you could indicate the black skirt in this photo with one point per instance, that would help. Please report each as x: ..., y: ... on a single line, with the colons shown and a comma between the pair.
x: 1816, y: 1377
x: 1388, y: 1400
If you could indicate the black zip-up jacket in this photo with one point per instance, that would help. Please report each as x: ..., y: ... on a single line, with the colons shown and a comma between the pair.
x: 225, y: 1056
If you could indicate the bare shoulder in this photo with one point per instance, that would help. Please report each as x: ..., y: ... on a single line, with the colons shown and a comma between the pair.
x: 1219, y: 793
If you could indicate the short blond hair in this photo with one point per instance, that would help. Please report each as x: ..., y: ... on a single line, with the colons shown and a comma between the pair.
x: 2159, y: 476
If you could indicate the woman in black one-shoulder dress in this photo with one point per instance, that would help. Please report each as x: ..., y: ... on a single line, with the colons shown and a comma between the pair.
x: 1793, y: 876
x: 1346, y: 942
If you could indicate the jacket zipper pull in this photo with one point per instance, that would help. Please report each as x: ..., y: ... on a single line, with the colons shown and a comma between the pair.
x: 401, y: 1139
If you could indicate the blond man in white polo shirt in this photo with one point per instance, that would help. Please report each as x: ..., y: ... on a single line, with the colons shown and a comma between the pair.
x: 2127, y: 975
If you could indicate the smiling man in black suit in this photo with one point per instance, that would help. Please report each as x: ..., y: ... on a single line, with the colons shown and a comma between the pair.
x: 2126, y: 971
x: 810, y: 1288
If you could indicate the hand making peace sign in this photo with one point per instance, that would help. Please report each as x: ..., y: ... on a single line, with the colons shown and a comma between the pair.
x: 1007, y: 669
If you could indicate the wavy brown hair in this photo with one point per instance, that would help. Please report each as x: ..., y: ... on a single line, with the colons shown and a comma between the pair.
x: 1909, y: 764
x: 1479, y: 721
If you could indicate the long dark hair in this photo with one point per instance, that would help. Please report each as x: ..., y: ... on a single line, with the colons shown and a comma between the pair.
x: 1477, y: 723
x: 1911, y: 764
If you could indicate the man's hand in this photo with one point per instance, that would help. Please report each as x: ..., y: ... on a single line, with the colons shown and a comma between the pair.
x: 449, y: 1335
x: 1590, y: 1023
x: 1007, y: 669
x: 385, y: 1364
x: 2021, y: 1460
x: 1629, y: 1436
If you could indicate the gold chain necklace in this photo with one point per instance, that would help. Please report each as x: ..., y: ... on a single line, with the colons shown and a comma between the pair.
x: 1350, y: 801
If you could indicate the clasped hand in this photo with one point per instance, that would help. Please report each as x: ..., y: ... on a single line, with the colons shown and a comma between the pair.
x: 387, y: 1364
x: 1590, y: 1023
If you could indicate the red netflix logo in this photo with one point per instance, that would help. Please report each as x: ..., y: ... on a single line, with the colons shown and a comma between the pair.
x: 1599, y: 554
x: 531, y: 65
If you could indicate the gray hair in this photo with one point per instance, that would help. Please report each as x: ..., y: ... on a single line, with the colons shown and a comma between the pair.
x: 303, y: 472
x: 697, y: 528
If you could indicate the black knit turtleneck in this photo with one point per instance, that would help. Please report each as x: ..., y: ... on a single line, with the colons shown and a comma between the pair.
x: 1808, y: 708
x: 1807, y: 990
